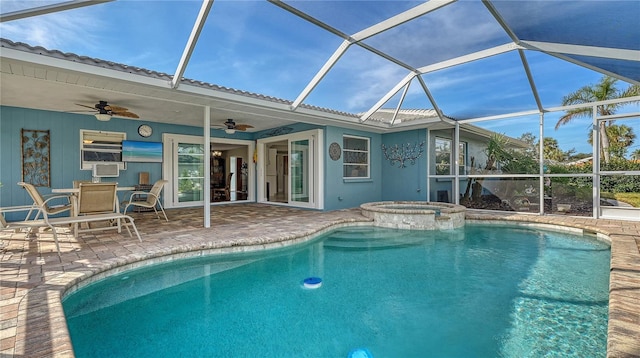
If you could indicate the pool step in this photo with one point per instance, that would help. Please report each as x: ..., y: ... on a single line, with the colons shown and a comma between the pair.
x: 371, y: 239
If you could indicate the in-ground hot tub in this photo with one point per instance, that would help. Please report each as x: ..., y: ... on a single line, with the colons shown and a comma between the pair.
x: 415, y: 215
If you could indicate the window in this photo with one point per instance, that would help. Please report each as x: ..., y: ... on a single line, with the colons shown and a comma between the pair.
x: 98, y: 147
x: 462, y: 158
x: 355, y: 151
x: 443, y: 157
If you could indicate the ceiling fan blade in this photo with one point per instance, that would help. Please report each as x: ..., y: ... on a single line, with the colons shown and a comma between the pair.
x: 243, y: 127
x: 113, y: 108
x: 84, y: 105
x: 125, y: 114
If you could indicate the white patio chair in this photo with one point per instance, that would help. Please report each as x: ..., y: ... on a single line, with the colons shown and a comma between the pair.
x: 150, y: 199
x: 44, y: 203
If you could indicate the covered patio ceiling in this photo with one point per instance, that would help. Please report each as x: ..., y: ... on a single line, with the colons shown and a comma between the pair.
x: 512, y: 48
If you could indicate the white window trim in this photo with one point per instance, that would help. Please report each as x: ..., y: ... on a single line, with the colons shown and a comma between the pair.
x: 367, y: 151
x: 462, y: 154
x: 435, y: 155
x: 117, y: 137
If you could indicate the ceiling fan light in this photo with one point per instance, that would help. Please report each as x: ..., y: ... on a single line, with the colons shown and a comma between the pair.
x: 230, y: 130
x: 103, y: 117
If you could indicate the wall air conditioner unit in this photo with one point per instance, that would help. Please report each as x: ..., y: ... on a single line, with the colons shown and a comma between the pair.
x: 107, y: 170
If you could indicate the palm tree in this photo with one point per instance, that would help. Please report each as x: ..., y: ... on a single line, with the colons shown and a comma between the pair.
x: 604, y: 90
x: 621, y: 137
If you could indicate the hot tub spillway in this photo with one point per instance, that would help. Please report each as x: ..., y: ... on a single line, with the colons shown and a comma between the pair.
x: 415, y: 215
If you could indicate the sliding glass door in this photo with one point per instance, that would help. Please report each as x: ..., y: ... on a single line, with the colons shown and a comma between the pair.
x: 230, y: 177
x: 190, y: 173
x: 299, y: 169
x: 291, y: 170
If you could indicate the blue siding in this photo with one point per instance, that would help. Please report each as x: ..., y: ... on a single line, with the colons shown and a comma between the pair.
x: 386, y: 183
x: 408, y: 183
x: 340, y: 193
x: 65, y: 147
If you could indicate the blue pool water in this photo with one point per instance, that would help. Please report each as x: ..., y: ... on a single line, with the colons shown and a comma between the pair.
x: 479, y: 291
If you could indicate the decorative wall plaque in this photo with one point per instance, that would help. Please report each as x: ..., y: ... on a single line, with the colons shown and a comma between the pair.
x: 402, y: 154
x: 36, y: 167
x: 335, y: 151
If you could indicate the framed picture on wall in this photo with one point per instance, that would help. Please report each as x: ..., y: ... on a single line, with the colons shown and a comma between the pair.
x: 138, y: 151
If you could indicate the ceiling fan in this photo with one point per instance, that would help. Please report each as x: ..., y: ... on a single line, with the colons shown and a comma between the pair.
x: 105, y: 111
x: 232, y: 127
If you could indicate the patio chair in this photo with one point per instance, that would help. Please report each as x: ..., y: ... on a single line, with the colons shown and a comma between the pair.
x: 147, y: 199
x: 18, y: 226
x: 76, y: 183
x: 96, y: 198
x: 44, y: 202
x: 51, y: 223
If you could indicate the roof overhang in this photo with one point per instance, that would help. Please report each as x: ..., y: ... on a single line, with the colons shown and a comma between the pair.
x: 49, y: 80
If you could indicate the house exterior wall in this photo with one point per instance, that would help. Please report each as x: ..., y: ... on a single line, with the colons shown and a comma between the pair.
x: 65, y: 148
x: 408, y: 183
x: 65, y: 154
x: 348, y: 193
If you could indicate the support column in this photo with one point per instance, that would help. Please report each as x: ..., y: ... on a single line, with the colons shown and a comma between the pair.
x: 207, y: 166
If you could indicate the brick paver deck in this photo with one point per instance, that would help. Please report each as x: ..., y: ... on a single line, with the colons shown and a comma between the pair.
x: 33, y: 277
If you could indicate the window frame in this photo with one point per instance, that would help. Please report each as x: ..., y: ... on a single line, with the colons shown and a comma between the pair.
x: 349, y: 152
x: 109, y: 146
x: 462, y: 156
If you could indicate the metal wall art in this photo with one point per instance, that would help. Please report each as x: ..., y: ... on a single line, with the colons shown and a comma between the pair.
x: 403, y: 153
x: 36, y: 165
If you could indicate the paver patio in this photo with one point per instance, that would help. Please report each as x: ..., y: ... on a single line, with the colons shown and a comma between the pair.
x: 32, y: 322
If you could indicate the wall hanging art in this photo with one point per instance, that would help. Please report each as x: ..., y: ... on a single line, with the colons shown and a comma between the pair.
x: 36, y: 165
x: 403, y: 153
x: 335, y: 151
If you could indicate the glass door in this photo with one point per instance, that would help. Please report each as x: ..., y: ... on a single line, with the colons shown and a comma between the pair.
x: 190, y: 173
x: 299, y: 168
x: 290, y: 169
x: 183, y: 165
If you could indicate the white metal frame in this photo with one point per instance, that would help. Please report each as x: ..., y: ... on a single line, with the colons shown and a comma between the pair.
x: 595, y: 174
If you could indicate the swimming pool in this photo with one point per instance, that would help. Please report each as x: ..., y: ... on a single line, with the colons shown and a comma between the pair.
x: 478, y: 291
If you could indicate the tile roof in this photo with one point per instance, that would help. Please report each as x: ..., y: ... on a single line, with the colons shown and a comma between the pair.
x: 20, y: 46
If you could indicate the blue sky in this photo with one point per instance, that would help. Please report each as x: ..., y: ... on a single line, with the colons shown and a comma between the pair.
x: 256, y: 46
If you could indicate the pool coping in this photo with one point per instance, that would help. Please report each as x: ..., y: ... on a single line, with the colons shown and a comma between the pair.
x: 43, y: 331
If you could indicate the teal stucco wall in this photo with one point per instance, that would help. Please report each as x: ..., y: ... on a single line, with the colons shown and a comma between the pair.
x: 408, y: 182
x: 348, y: 193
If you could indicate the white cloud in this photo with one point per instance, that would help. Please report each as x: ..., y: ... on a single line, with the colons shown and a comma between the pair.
x: 58, y: 30
x: 372, y: 82
x: 449, y: 32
